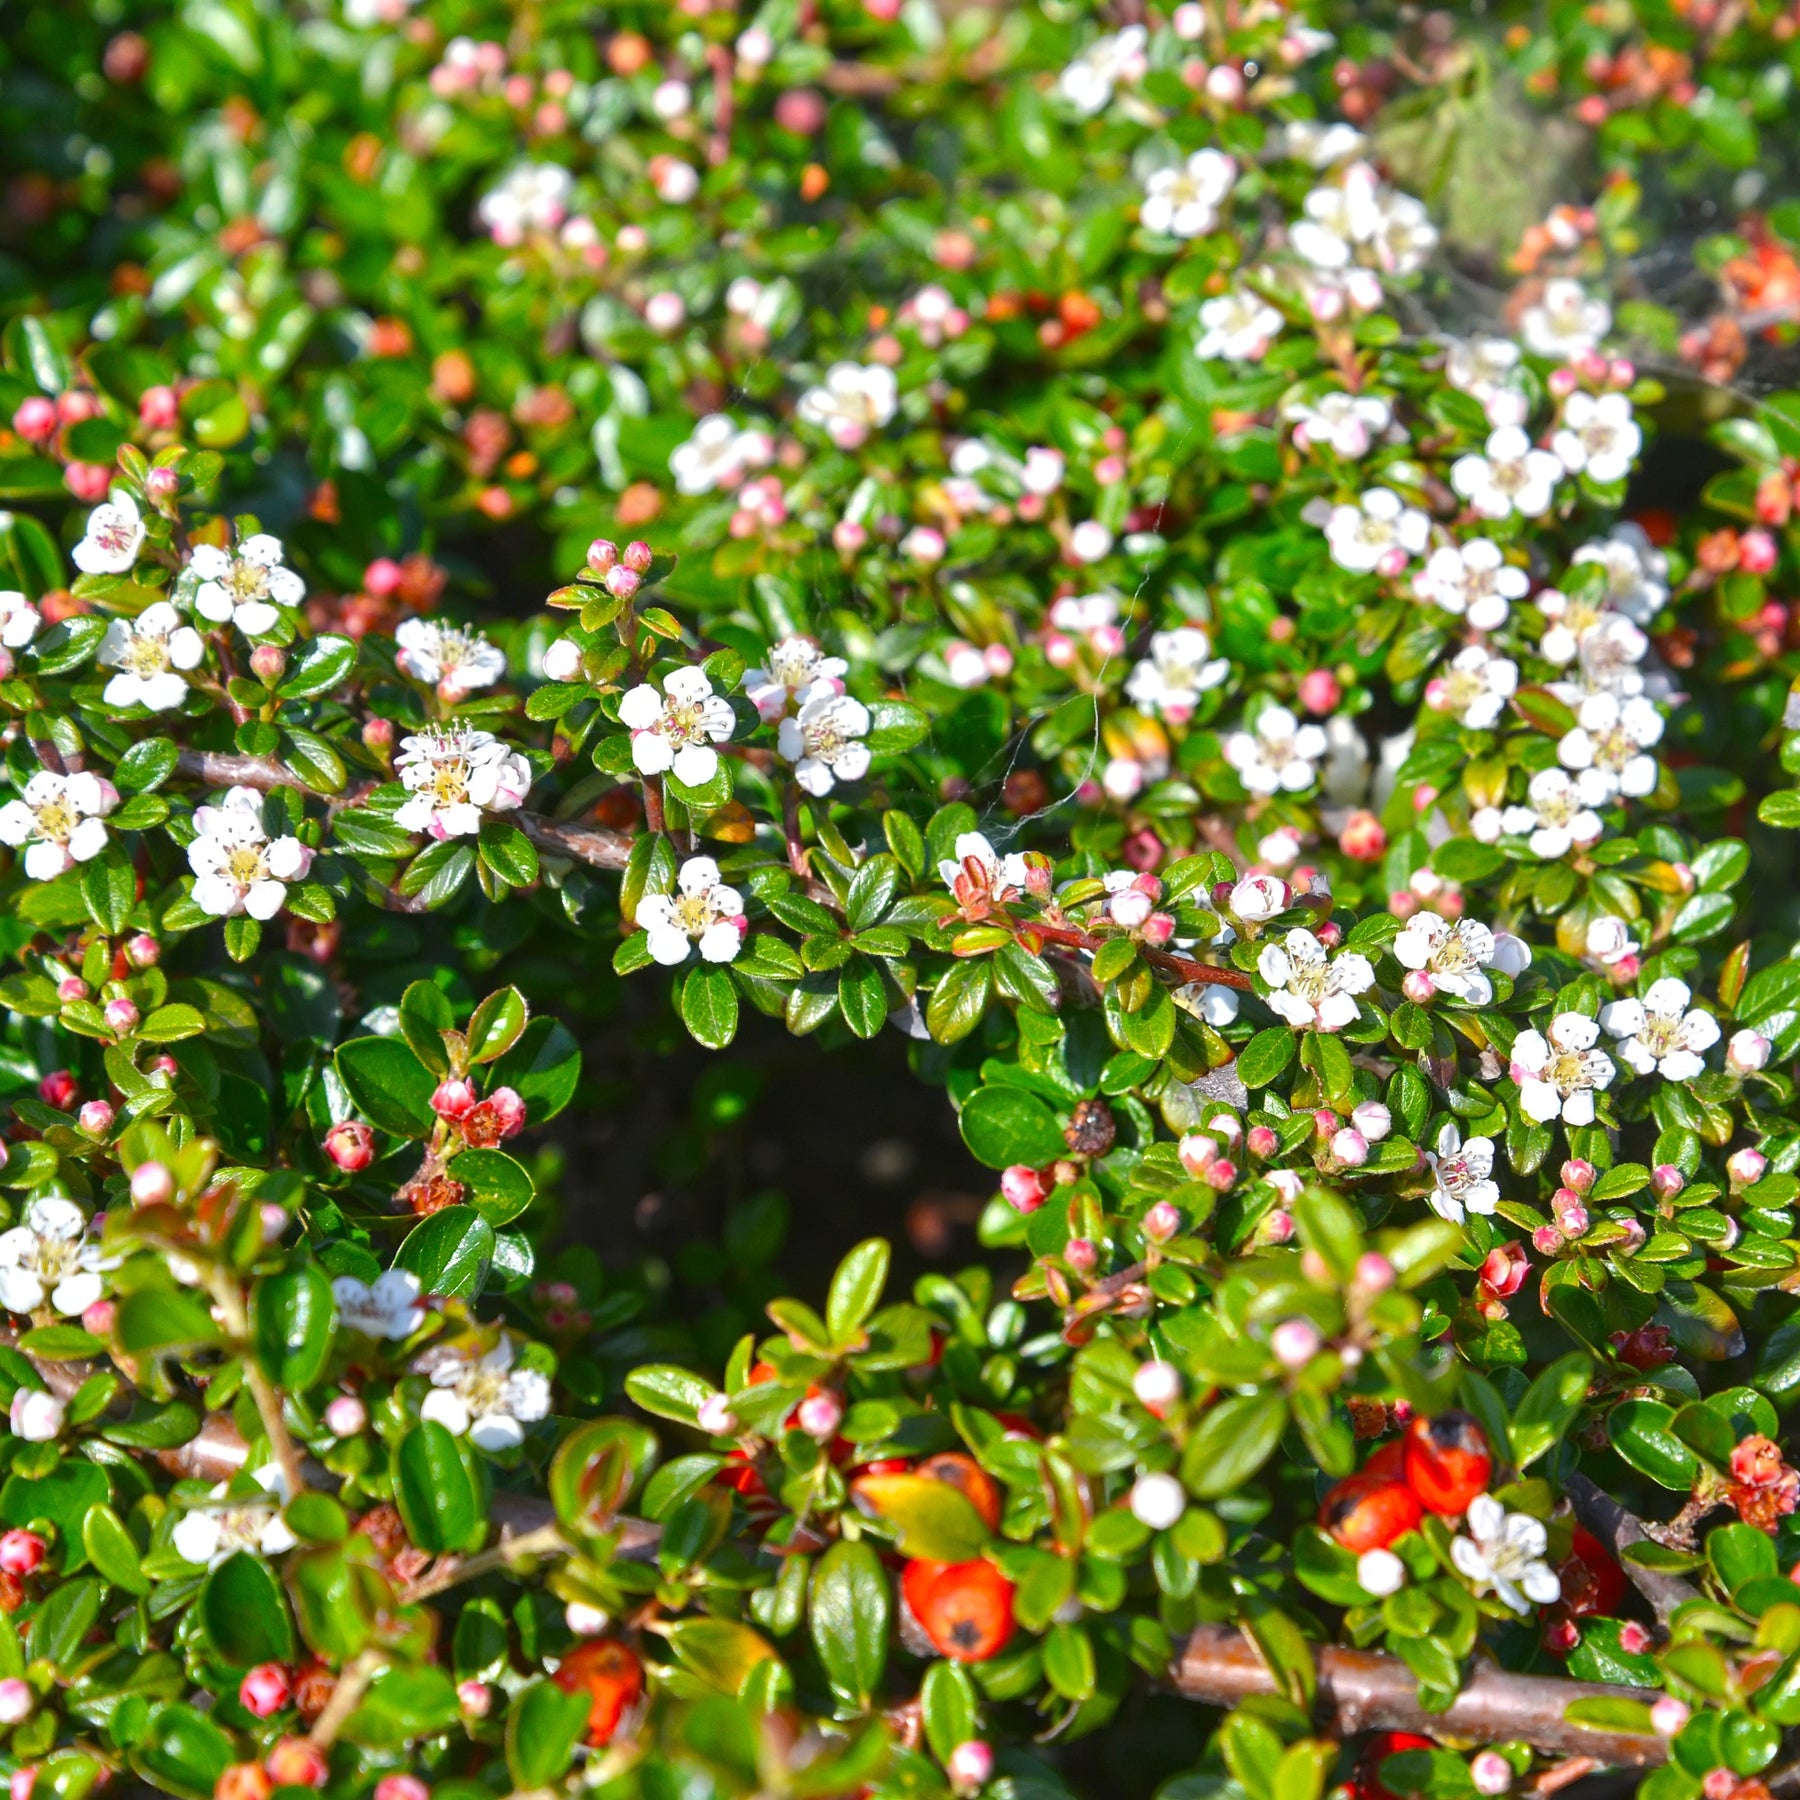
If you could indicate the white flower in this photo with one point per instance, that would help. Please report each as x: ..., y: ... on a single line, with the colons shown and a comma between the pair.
x: 1511, y: 476
x: 1310, y: 989
x: 1462, y: 1175
x: 1658, y: 1034
x: 1609, y: 654
x: 1218, y: 1006
x: 207, y: 1534
x: 702, y: 910
x: 1380, y: 1572
x: 1404, y: 235
x: 454, y: 774
x: 115, y: 533
x: 1313, y: 140
x: 675, y: 731
x: 1258, y: 898
x: 388, y: 1307
x: 238, y: 867
x: 1346, y: 423
x: 1609, y: 742
x: 1090, y: 541
x: 1636, y: 571
x: 1505, y: 1552
x: 1455, y: 955
x: 50, y: 1258
x: 19, y: 620
x: 1087, y: 83
x: 1158, y: 1501
x: 1178, y: 670
x: 1557, y: 1074
x: 854, y: 400
x: 150, y: 652
x: 36, y: 1416
x: 244, y: 590
x: 1486, y: 367
x: 1565, y: 322
x: 531, y: 197
x: 824, y: 742
x: 1558, y: 812
x: 457, y: 662
x: 1609, y: 940
x: 1337, y: 218
x: 1238, y: 327
x: 1004, y: 874
x: 60, y: 817
x: 717, y: 454
x: 795, y: 665
x: 1474, y: 581
x: 1377, y: 531
x: 1475, y: 688
x: 1599, y: 435
x: 1278, y: 754
x: 1184, y: 201
x: 484, y: 1397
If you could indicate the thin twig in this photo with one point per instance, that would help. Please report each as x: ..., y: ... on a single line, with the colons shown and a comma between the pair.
x: 346, y: 1696
x: 449, y: 1571
x: 1184, y: 966
x: 1618, y: 1530
x: 229, y: 1299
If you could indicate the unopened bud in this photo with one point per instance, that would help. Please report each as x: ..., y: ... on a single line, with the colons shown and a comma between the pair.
x: 1668, y: 1715
x: 638, y: 557
x: 1081, y: 1255
x: 16, y: 1701
x: 1350, y: 1148
x: 622, y: 583
x: 1374, y: 1273
x: 1295, y: 1342
x: 346, y: 1416
x: 1579, y: 1175
x: 1418, y: 987
x: 1746, y: 1167
x: 95, y: 1118
x: 1380, y: 1572
x: 562, y: 661
x: 1263, y: 1142
x: 268, y: 663
x: 602, y: 556
x: 1196, y: 1151
x: 1373, y: 1120
x: 1546, y: 1240
x: 1162, y: 1221
x: 970, y: 1766
x: 1490, y: 1772
x: 265, y: 1690
x: 351, y: 1145
x: 378, y: 734
x: 1747, y: 1052
x: 70, y: 989
x: 152, y: 1184
x: 21, y: 1552
x: 1634, y: 1640
x: 819, y: 1415
x: 1157, y: 1385
x: 475, y: 1698
x: 162, y: 485
x: 1666, y: 1181
x: 453, y: 1096
x: 1220, y: 1174
x: 1023, y: 1187
x: 143, y: 951
x: 715, y: 1416
x: 121, y: 1016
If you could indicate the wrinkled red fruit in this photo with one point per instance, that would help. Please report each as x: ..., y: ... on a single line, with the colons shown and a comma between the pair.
x: 1446, y: 1462
x: 1592, y: 1582
x: 1369, y: 1511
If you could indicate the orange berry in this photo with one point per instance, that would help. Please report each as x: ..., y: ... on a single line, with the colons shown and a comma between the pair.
x: 965, y: 1609
x: 610, y: 1675
x: 970, y: 1479
x: 1447, y: 1462
x: 1369, y: 1511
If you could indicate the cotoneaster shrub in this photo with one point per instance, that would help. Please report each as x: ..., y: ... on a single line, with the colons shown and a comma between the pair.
x: 965, y: 523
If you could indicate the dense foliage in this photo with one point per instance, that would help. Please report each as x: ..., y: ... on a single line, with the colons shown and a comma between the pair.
x: 1196, y: 562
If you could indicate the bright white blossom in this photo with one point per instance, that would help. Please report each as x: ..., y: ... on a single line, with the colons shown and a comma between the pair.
x: 151, y: 653
x: 219, y: 1528
x: 795, y: 665
x: 1475, y: 687
x: 1598, y: 436
x: 485, y: 1397
x: 1258, y: 898
x: 1558, y: 1072
x: 1504, y: 1553
x: 1509, y: 476
x: 246, y: 589
x: 1558, y: 813
x: 455, y: 661
x: 19, y: 620
x: 1178, y: 670
x: 674, y: 731
x: 36, y: 1416
x: 388, y: 1307
x: 824, y: 740
x: 49, y: 1259
x: 61, y: 818
x: 1474, y: 581
x: 1237, y: 327
x: 1565, y: 321
x: 1358, y: 218
x: 1278, y: 754
x: 1636, y: 571
x: 1377, y: 531
x: 1455, y: 956
x: 1310, y: 988
x: 853, y: 401
x: 531, y: 197
x: 1004, y: 874
x: 1087, y: 83
x: 1344, y: 423
x: 702, y: 911
x: 114, y: 535
x: 1462, y: 1175
x: 1184, y: 201
x: 1609, y: 940
x: 455, y: 773
x: 1487, y: 369
x: 716, y: 454
x: 238, y: 867
x: 1659, y: 1034
x: 1609, y: 745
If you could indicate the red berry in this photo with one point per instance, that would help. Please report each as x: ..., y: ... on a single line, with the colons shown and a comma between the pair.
x: 1369, y: 1511
x: 1447, y: 1462
x: 610, y: 1674
x: 965, y: 1609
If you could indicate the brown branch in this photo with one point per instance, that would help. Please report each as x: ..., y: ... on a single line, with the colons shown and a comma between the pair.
x: 1184, y: 966
x: 1618, y: 1529
x: 1360, y: 1690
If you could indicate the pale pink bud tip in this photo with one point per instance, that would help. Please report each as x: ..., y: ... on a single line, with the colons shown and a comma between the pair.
x: 819, y: 1416
x: 21, y: 1552
x: 1490, y: 1772
x: 1157, y: 1385
x: 602, y: 555
x: 95, y: 1118
x: 1666, y: 1181
x: 453, y: 1097
x: 265, y: 1690
x: 1023, y: 1188
x: 16, y: 1701
x: 1162, y: 1222
x: 1350, y: 1148
x: 152, y: 1184
x: 715, y: 1416
x: 1295, y: 1342
x: 346, y: 1416
x: 1668, y: 1715
x: 970, y: 1766
x: 1374, y: 1273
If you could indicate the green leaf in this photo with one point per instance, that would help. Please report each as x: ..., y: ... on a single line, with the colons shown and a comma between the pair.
x: 291, y: 1315
x: 497, y: 1024
x: 709, y: 1005
x: 319, y: 665
x: 509, y: 853
x: 145, y: 766
x: 244, y: 1614
x: 164, y: 1321
x: 1006, y: 1125
x: 436, y: 1496
x: 1643, y: 1432
x: 64, y: 1498
x: 113, y: 1551
x: 392, y: 1089
x: 668, y: 1392
x: 450, y: 1252
x: 1551, y: 1405
x: 934, y: 1519
x: 1265, y: 1056
x: 437, y: 873
x: 856, y: 1289
x: 958, y: 1001
x: 848, y: 1611
x: 543, y: 1068
x: 170, y: 1024
x: 183, y: 1752
x: 109, y: 886
x: 542, y: 1729
x: 498, y: 1187
x: 1231, y: 1442
x: 894, y: 726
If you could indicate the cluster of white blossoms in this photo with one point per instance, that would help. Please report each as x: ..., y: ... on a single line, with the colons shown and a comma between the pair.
x: 852, y: 403
x: 221, y: 1526
x: 1308, y: 986
x: 1559, y: 1071
x: 238, y: 867
x: 1376, y: 533
x: 718, y: 453
x: 531, y: 197
x: 1508, y: 475
x: 1179, y: 669
x: 1475, y: 687
x: 153, y: 654
x: 1453, y: 958
x: 1087, y: 83
x: 453, y: 775
x: 1277, y: 754
x: 50, y: 1262
x: 485, y: 1397
x: 246, y: 590
x: 673, y: 730
x: 1565, y: 321
x: 1608, y: 748
x: 1473, y: 581
x: 455, y: 661
x: 1597, y: 436
x: 1487, y: 369
x: 1236, y: 327
x: 794, y: 666
x: 1184, y: 201
x: 1360, y: 219
x: 1558, y: 815
x: 62, y: 820
x: 702, y: 914
x: 1346, y: 424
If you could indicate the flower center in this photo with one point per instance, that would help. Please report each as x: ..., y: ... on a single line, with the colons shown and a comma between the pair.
x: 1566, y: 1070
x: 145, y: 655
x: 246, y: 580
x: 245, y: 865
x: 694, y: 914
x: 57, y: 819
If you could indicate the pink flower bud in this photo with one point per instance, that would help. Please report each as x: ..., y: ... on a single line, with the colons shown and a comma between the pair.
x: 1570, y: 1215
x: 351, y: 1145
x: 1561, y: 1636
x: 1719, y: 1784
x: 475, y: 1698
x: 159, y: 408
x: 1490, y: 1772
x: 819, y: 1416
x: 1225, y: 1126
x: 1668, y: 1715
x: 1373, y: 1120
x: 1158, y: 929
x: 121, y: 1016
x: 21, y: 1552
x: 1546, y: 1240
x: 1023, y: 1187
x: 1262, y: 1141
x: 1504, y: 1269
x: 1666, y: 1181
x: 1746, y: 1167
x: 1157, y: 1386
x: 268, y: 663
x: 715, y: 1416
x: 265, y: 1690
x: 88, y: 481
x: 1757, y: 552
x: 1295, y: 1342
x: 58, y: 1089
x: 1350, y: 1148
x: 1129, y: 909
x: 1634, y: 1640
x: 95, y: 1118
x: 453, y: 1097
x: 1330, y: 934
x: 99, y: 1318
x: 602, y: 556
x: 508, y: 1109
x: 638, y: 556
x: 1374, y: 1273
x: 1196, y: 1152
x: 297, y: 1762
x: 346, y: 1416
x: 970, y: 1766
x: 1081, y: 1255
x: 622, y: 583
x: 1747, y: 1052
x: 1162, y: 1221
x: 1326, y: 1123
x: 152, y: 1184
x: 1579, y: 1175
x: 1220, y: 1174
x: 1364, y: 837
x: 1276, y: 1227
x: 35, y: 419
x: 1319, y: 691
x: 70, y: 989
x: 401, y: 1787
x: 143, y: 951
x: 378, y: 734
x: 562, y: 661
x: 16, y: 1701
